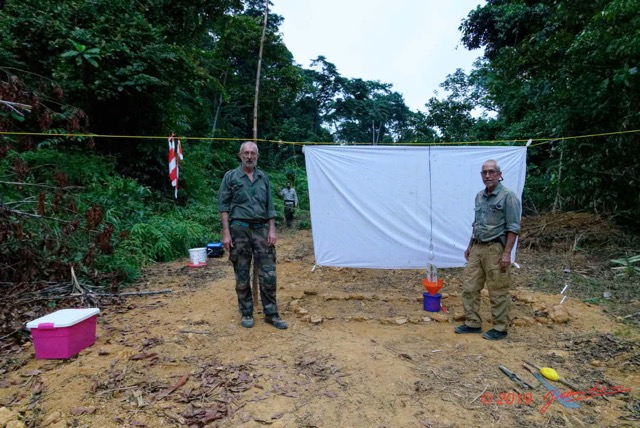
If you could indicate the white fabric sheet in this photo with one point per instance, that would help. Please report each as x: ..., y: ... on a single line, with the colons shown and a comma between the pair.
x: 382, y: 206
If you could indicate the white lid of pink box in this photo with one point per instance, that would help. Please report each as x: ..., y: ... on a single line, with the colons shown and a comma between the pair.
x: 64, y: 317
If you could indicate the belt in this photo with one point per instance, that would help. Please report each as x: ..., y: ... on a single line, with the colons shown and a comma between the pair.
x: 478, y: 242
x: 250, y: 224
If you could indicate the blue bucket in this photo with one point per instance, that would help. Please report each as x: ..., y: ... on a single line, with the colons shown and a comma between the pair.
x: 432, y: 302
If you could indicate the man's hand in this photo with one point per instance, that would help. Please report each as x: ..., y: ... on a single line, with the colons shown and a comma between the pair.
x: 226, y: 240
x: 226, y: 233
x: 466, y: 253
x: 271, y: 237
x: 505, y: 262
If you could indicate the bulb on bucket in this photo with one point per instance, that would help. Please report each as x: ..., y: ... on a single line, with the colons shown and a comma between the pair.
x: 432, y: 271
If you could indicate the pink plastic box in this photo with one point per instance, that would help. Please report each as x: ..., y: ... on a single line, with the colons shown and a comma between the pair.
x: 64, y: 333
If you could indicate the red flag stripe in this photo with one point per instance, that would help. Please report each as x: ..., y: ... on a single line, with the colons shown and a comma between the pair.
x: 174, y: 161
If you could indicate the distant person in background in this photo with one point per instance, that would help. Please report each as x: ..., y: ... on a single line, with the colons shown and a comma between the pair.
x: 495, y: 228
x: 249, y: 231
x: 290, y: 203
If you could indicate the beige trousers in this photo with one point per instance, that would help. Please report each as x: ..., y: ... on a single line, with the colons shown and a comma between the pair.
x: 483, y: 268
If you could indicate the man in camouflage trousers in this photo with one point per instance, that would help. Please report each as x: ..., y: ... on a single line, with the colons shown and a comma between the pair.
x: 249, y: 232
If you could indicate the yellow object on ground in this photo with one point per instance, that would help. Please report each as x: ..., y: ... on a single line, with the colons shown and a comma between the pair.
x: 549, y: 373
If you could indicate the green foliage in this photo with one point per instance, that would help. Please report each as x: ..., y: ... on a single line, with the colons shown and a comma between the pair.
x: 63, y: 209
x: 81, y: 54
x: 368, y: 112
x: 196, y: 182
x: 627, y: 266
x: 167, y: 237
x: 136, y: 67
x: 37, y: 110
x: 564, y: 68
x: 304, y: 225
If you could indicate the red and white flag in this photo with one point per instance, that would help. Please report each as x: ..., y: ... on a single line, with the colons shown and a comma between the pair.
x: 175, y: 156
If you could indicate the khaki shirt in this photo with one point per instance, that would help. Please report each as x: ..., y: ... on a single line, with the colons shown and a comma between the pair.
x: 496, y: 214
x: 246, y: 200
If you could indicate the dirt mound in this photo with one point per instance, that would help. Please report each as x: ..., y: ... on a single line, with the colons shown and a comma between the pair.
x: 360, y: 352
x: 567, y: 232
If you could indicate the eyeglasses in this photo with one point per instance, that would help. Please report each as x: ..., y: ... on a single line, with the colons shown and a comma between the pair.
x: 489, y: 172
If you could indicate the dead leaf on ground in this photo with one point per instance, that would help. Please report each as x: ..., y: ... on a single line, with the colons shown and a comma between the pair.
x: 37, y: 388
x: 172, y: 388
x: 142, y: 356
x: 77, y: 411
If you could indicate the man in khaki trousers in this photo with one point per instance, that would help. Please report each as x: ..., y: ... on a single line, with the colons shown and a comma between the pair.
x: 495, y: 228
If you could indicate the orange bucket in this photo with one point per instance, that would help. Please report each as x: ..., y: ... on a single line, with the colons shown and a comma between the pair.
x: 432, y: 287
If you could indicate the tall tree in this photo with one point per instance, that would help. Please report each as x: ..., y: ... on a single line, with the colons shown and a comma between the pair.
x: 369, y: 112
x: 134, y: 66
x: 558, y: 68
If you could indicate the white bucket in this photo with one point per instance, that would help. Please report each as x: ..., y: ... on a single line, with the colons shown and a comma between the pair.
x: 198, y: 256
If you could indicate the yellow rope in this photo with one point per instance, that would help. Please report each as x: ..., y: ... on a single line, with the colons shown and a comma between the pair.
x: 539, y: 141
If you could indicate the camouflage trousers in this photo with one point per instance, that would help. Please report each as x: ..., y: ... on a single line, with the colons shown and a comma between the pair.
x: 248, y: 244
x: 483, y: 268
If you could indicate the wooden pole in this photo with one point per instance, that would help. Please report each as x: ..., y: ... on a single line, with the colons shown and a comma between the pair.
x: 255, y: 100
x: 255, y: 283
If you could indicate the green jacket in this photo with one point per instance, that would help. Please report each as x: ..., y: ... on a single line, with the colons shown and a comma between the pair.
x: 246, y: 200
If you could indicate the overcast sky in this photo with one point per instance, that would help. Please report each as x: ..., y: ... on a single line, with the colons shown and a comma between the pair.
x: 411, y: 44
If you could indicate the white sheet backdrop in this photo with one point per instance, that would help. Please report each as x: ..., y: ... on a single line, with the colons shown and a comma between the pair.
x: 371, y: 206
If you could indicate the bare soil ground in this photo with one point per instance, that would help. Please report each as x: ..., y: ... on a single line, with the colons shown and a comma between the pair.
x: 360, y: 351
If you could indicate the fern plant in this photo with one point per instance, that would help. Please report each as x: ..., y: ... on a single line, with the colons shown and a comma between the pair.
x: 627, y: 266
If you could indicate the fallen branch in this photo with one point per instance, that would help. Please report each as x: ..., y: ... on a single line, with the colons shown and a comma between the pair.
x: 39, y: 299
x: 132, y: 293
x: 10, y: 334
x: 16, y: 106
x: 44, y: 186
x: 479, y: 395
x: 195, y: 331
x: 123, y: 388
x: 91, y: 295
x: 24, y: 214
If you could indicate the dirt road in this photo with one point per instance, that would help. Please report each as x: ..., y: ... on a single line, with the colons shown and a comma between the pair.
x: 360, y: 351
